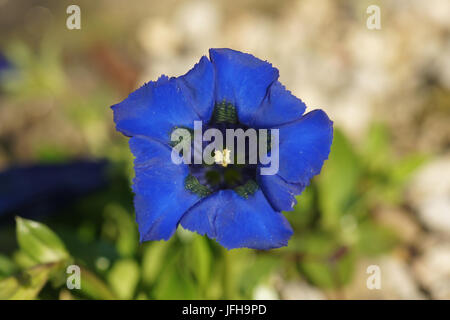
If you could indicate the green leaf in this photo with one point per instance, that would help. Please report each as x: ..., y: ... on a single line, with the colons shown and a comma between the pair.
x: 175, y: 283
x: 329, y: 273
x: 153, y: 260
x: 256, y: 272
x: 405, y: 167
x: 312, y: 243
x: 39, y: 242
x: 88, y: 252
x: 201, y: 259
x: 123, y: 222
x: 304, y: 211
x: 94, y: 287
x: 323, y: 260
x: 337, y: 184
x: 23, y: 260
x: 28, y: 284
x: 375, y: 239
x: 318, y: 273
x: 7, y: 266
x: 376, y: 149
x: 124, y: 277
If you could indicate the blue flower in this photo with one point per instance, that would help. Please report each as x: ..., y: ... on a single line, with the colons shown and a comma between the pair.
x: 234, y: 205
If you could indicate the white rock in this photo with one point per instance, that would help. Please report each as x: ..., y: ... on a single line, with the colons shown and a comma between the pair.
x: 198, y: 22
x: 159, y: 38
x: 397, y: 281
x: 301, y: 291
x: 265, y: 292
x: 429, y: 193
x: 433, y: 270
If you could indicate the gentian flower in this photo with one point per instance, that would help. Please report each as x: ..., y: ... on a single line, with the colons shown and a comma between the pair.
x: 233, y: 204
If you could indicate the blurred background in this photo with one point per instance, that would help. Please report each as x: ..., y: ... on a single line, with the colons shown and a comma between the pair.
x: 383, y: 197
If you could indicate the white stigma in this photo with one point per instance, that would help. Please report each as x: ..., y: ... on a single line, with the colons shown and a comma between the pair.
x: 222, y: 158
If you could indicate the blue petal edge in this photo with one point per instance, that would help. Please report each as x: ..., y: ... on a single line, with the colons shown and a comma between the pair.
x: 242, y: 80
x: 304, y: 146
x: 160, y: 196
x: 236, y: 222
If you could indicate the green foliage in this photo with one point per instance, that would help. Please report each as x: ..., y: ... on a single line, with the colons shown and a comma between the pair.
x: 124, y: 277
x: 333, y: 227
x: 335, y: 212
x: 42, y: 248
x: 43, y: 257
x: 27, y: 284
x: 153, y: 261
x: 385, y: 174
x: 338, y: 184
x: 93, y: 287
x: 201, y: 260
x: 39, y: 242
x: 7, y: 267
x: 41, y: 74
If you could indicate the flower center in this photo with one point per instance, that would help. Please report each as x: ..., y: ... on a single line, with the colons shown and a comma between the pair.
x: 222, y: 158
x: 224, y: 173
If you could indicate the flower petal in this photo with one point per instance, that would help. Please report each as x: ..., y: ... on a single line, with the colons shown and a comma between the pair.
x: 237, y: 222
x: 160, y: 196
x: 157, y: 107
x: 304, y: 146
x: 242, y: 80
x: 278, y: 192
x: 279, y: 107
x: 199, y: 82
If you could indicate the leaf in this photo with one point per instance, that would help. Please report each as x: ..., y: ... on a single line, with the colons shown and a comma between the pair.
x: 388, y: 184
x: 312, y: 243
x: 376, y: 149
x: 405, y: 167
x: 322, y: 260
x: 326, y: 273
x: 152, y: 260
x: 318, y: 273
x: 94, y: 287
x: 7, y: 267
x: 175, y: 284
x: 337, y: 184
x: 39, y: 242
x: 304, y: 211
x: 88, y: 252
x: 124, y: 277
x: 201, y: 259
x: 127, y: 235
x: 23, y: 260
x: 375, y: 239
x: 256, y: 272
x: 28, y: 284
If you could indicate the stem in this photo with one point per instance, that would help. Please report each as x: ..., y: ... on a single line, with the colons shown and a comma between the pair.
x: 227, y: 283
